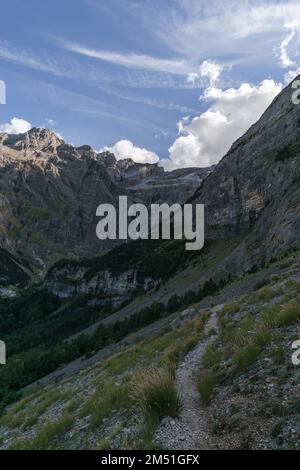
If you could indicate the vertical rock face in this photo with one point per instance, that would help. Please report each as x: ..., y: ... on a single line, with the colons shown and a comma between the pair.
x: 49, y: 192
x: 103, y: 286
x: 255, y: 187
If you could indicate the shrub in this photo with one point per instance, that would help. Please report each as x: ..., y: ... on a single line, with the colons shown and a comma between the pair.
x: 265, y: 294
x: 211, y: 356
x: 290, y: 313
x: 38, y: 213
x: 263, y: 337
x: 154, y: 392
x: 52, y: 431
x: 72, y: 406
x: 179, y: 350
x: 47, y: 436
x: 107, y: 398
x: 259, y: 284
x: 38, y: 239
x: 246, y: 356
x: 269, y: 318
x: 206, y: 384
x: 278, y: 354
x: 233, y: 307
x: 277, y: 428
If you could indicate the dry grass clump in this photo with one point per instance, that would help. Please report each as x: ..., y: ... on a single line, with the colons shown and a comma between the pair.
x: 206, y: 384
x: 155, y: 394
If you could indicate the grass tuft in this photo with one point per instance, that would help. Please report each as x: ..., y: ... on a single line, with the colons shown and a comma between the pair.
x: 155, y: 394
x: 211, y: 356
x: 290, y: 313
x: 206, y: 385
x: 246, y: 356
x: 48, y: 435
x: 108, y: 397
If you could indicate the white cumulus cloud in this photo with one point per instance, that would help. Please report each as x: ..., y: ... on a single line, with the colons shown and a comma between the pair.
x: 208, y: 69
x: 126, y: 149
x: 16, y: 126
x: 206, y: 138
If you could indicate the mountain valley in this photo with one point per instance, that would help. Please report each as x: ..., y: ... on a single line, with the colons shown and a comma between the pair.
x: 94, y: 329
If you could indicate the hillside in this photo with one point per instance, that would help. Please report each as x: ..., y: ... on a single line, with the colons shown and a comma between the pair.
x: 242, y: 386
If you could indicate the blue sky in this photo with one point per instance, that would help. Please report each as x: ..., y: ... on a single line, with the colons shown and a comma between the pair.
x: 131, y: 73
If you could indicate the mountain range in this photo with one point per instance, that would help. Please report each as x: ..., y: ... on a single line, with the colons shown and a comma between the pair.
x: 69, y: 301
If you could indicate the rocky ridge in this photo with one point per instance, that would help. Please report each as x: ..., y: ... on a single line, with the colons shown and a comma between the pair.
x: 49, y: 192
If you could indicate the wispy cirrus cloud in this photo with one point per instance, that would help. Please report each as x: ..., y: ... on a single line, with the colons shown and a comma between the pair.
x: 105, y: 81
x: 284, y: 58
x: 293, y: 31
x: 28, y: 59
x: 62, y: 65
x: 137, y: 61
x: 92, y: 109
x: 231, y: 29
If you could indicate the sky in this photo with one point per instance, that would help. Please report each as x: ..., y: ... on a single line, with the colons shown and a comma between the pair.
x: 173, y: 81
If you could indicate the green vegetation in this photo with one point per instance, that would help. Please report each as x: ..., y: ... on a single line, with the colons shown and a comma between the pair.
x: 290, y: 313
x: 211, y: 356
x: 36, y: 323
x: 264, y: 294
x: 154, y: 361
x: 206, y: 384
x: 230, y: 308
x: 104, y: 443
x: 16, y: 416
x: 246, y: 356
x: 37, y: 349
x: 48, y: 435
x: 155, y: 394
x: 242, y: 339
x: 157, y: 259
x: 278, y: 353
x: 109, y: 396
x: 33, y: 326
x: 277, y: 428
x: 37, y: 238
x: 38, y: 213
x: 11, y: 272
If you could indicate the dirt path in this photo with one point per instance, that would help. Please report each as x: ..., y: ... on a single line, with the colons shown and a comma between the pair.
x: 189, y: 430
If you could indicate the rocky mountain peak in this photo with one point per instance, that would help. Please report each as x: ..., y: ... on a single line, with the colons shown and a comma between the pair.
x: 35, y: 140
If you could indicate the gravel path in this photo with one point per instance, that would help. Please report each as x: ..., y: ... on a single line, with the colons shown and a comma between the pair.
x: 189, y: 430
